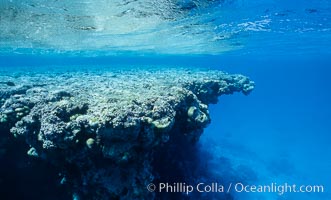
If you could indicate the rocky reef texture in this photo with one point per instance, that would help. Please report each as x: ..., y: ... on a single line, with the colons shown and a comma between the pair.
x: 103, y: 129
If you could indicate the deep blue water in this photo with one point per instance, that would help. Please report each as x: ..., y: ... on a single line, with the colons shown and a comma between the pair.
x: 280, y: 132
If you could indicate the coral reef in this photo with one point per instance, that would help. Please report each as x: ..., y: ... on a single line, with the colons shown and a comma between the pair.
x: 103, y: 128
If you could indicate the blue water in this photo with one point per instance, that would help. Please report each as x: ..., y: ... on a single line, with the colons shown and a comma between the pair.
x: 280, y: 133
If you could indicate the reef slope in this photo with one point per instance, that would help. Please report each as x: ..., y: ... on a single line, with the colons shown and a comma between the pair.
x: 102, y: 128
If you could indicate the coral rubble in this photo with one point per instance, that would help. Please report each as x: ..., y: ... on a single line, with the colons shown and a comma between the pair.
x: 102, y: 129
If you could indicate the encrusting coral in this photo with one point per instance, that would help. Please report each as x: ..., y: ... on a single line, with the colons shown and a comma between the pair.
x: 108, y: 123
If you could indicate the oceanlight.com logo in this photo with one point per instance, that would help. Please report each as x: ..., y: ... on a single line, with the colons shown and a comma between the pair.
x: 280, y: 189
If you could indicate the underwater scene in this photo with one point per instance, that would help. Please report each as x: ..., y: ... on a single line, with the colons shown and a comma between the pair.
x: 165, y: 99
